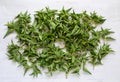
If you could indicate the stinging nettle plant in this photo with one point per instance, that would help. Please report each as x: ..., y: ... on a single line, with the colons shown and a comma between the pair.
x: 36, y: 49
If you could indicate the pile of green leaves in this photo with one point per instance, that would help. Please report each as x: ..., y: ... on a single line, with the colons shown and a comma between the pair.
x: 36, y: 49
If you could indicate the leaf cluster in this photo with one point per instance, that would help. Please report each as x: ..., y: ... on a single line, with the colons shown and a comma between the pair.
x: 78, y: 32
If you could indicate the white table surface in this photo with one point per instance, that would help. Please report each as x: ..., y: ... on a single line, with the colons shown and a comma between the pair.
x: 108, y: 72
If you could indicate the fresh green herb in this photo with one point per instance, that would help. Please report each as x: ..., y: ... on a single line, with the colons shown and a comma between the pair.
x: 78, y: 32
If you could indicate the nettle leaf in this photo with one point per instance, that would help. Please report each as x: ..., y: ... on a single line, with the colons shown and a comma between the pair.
x: 73, y: 59
x: 37, y: 47
x: 86, y: 70
x: 97, y: 19
x: 76, y: 70
x: 105, y: 32
x: 11, y: 28
x: 9, y: 32
x: 36, y: 71
x: 109, y: 38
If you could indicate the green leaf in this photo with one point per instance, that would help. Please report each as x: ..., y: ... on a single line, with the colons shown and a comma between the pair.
x: 73, y: 59
x: 86, y: 70
x: 8, y: 32
x: 109, y: 38
x: 76, y: 70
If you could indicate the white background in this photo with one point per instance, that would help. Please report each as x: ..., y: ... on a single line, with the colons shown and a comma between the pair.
x: 108, y: 72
